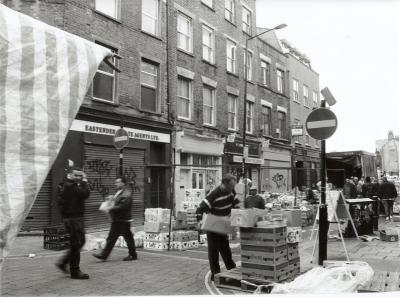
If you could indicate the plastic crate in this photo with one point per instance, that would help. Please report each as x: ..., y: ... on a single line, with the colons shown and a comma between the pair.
x: 56, y: 246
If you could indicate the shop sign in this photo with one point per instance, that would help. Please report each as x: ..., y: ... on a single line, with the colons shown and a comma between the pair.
x: 237, y: 148
x: 297, y: 130
x: 105, y: 129
x: 238, y: 159
x: 231, y: 138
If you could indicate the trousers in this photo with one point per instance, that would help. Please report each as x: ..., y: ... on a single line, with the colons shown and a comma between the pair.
x: 76, y: 230
x: 219, y: 244
x: 118, y: 229
x: 388, y: 205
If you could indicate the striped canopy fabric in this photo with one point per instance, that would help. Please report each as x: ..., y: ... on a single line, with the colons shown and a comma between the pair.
x: 44, y: 75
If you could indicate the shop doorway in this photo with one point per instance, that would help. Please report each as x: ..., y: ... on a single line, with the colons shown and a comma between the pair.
x: 158, y: 188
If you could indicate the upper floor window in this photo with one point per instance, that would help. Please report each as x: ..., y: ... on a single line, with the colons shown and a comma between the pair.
x: 295, y: 90
x: 104, y: 82
x: 231, y: 49
x: 265, y: 73
x: 266, y: 120
x: 250, y: 117
x: 280, y: 80
x: 282, y: 124
x: 249, y: 66
x: 185, y: 96
x: 149, y: 85
x: 185, y: 33
x: 232, y: 112
x: 209, y: 3
x: 108, y: 7
x: 208, y: 44
x: 230, y: 10
x: 305, y: 95
x: 150, y: 16
x: 315, y: 99
x: 246, y: 20
x: 208, y: 105
x: 307, y: 141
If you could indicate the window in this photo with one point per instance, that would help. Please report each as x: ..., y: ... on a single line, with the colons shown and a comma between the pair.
x: 266, y: 120
x: 232, y: 112
x: 184, y: 158
x: 282, y: 124
x: 280, y: 84
x: 246, y: 20
x: 208, y: 105
x: 307, y: 140
x: 249, y: 66
x: 184, y: 98
x: 104, y: 82
x: 209, y: 3
x: 297, y: 138
x: 295, y: 90
x: 265, y: 73
x: 150, y: 16
x: 250, y: 117
x: 108, y: 7
x: 315, y: 99
x: 208, y: 44
x: 149, y: 85
x: 184, y: 33
x: 305, y: 95
x: 231, y: 56
x: 230, y: 10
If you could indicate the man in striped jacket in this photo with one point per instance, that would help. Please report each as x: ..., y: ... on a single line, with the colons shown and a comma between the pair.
x: 219, y: 203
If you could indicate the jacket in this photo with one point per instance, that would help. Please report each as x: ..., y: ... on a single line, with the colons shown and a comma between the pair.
x: 349, y: 190
x: 72, y: 198
x: 255, y: 201
x: 387, y: 190
x: 369, y: 190
x: 121, y: 211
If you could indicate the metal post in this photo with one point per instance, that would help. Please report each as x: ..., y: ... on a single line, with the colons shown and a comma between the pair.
x: 323, y: 211
x: 245, y: 118
x: 121, y: 162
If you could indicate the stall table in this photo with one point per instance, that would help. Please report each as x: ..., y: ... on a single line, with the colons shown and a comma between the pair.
x: 365, y: 226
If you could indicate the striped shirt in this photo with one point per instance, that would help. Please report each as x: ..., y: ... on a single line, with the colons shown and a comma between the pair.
x: 219, y: 202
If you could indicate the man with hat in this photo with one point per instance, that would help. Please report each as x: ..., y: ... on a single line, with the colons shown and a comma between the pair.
x: 254, y: 200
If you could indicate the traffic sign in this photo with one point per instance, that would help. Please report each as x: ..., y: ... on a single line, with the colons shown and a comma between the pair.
x: 121, y: 139
x: 321, y: 123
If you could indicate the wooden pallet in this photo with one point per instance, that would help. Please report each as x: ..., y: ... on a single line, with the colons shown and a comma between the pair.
x: 382, y: 281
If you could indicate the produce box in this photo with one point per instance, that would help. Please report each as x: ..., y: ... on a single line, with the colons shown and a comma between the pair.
x: 203, y: 238
x: 265, y: 272
x: 266, y: 236
x: 246, y: 217
x: 293, y: 234
x: 180, y: 246
x: 153, y: 227
x: 157, y: 215
x: 181, y: 215
x: 293, y: 216
x: 272, y: 256
x: 153, y: 245
x: 180, y: 224
x: 160, y: 237
x: 293, y: 251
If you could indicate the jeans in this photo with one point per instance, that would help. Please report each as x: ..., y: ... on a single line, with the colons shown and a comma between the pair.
x: 219, y: 244
x: 388, y: 205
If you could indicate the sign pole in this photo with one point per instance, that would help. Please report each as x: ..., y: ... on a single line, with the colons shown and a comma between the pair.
x: 323, y: 212
x: 121, y: 161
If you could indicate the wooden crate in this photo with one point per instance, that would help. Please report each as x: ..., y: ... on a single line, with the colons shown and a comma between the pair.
x: 265, y: 272
x: 293, y: 251
x: 264, y: 258
x: 382, y: 281
x: 294, y: 264
x: 274, y: 236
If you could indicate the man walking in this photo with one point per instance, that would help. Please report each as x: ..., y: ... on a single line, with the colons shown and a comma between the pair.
x: 387, y: 192
x: 73, y: 194
x: 254, y: 200
x: 219, y: 203
x: 121, y: 221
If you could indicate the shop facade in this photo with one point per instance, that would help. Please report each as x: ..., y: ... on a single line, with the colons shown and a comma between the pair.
x: 306, y: 166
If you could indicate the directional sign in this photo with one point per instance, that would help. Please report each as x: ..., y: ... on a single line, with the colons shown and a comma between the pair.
x: 121, y: 139
x: 321, y: 123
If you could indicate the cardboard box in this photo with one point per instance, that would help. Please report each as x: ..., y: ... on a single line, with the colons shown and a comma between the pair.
x: 246, y: 217
x: 293, y: 234
x: 181, y: 216
x: 293, y: 216
x: 216, y: 224
x: 152, y: 227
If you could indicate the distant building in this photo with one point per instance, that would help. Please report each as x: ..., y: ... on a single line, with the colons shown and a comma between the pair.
x: 389, y: 154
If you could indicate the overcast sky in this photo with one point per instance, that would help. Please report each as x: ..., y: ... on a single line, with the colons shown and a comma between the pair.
x: 355, y: 47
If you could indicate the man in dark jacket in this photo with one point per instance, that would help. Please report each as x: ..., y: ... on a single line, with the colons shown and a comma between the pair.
x: 254, y: 200
x: 73, y: 194
x: 121, y: 222
x: 387, y: 192
x: 219, y: 203
x: 349, y: 189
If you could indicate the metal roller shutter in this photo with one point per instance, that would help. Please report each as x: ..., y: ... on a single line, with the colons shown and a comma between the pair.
x: 39, y: 216
x: 102, y: 167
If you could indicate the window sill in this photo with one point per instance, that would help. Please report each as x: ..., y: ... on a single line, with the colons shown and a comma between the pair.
x: 232, y: 23
x: 233, y: 74
x: 104, y: 101
x: 295, y: 101
x: 186, y: 52
x: 210, y: 8
x: 107, y: 16
x: 151, y: 112
x: 185, y: 120
x: 210, y: 126
x: 251, y: 82
x: 152, y: 35
x: 232, y: 130
x: 209, y: 63
x: 308, y: 145
x: 247, y: 33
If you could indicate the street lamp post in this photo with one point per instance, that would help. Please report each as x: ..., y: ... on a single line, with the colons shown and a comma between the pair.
x: 245, y: 100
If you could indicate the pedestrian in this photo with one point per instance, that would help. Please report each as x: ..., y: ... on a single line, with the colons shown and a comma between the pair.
x: 368, y: 188
x: 358, y: 185
x: 219, y: 203
x: 254, y: 200
x: 73, y: 193
x: 121, y: 221
x: 349, y: 189
x: 387, y: 192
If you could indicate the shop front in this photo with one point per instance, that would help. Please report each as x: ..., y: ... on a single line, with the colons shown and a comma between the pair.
x: 306, y: 167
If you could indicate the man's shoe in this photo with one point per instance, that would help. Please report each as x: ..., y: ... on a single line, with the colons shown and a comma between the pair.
x: 131, y: 258
x: 212, y: 277
x: 100, y: 257
x: 387, y: 219
x: 79, y: 275
x: 62, y: 267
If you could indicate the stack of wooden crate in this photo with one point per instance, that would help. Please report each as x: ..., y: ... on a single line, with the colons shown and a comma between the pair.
x: 55, y: 238
x: 191, y: 218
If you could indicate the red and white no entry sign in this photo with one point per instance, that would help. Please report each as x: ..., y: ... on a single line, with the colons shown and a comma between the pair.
x: 121, y: 139
x: 321, y: 123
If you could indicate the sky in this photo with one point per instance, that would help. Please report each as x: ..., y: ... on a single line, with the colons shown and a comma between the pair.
x: 355, y: 47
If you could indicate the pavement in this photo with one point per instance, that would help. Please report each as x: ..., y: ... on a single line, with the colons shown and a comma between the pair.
x: 155, y: 273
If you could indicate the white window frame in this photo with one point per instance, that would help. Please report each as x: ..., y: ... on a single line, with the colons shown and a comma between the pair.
x: 213, y: 106
x: 234, y: 113
x: 189, y: 100
x: 211, y: 47
x: 265, y: 75
x: 295, y: 90
x: 232, y: 61
x: 250, y: 117
x: 208, y: 3
x: 270, y: 119
x: 154, y: 18
x: 306, y: 95
x: 307, y: 139
x: 315, y: 99
x: 189, y: 21
x: 246, y: 20
x: 280, y: 84
x: 156, y: 88
x: 282, y: 129
x: 117, y: 9
x: 249, y: 66
x: 230, y: 7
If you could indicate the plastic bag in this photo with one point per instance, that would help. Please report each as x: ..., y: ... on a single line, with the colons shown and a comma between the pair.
x: 344, y: 277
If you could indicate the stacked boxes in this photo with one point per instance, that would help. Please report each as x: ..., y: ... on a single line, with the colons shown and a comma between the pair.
x: 294, y: 259
x: 265, y: 253
x: 191, y: 218
x: 184, y: 240
x: 181, y: 220
x: 307, y: 217
x: 156, y: 241
x: 55, y: 239
x: 156, y: 227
